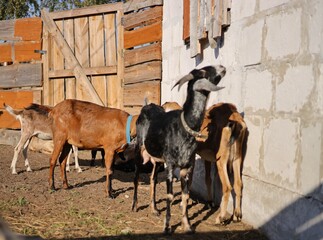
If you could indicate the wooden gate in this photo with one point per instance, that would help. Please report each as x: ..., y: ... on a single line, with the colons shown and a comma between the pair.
x: 108, y: 54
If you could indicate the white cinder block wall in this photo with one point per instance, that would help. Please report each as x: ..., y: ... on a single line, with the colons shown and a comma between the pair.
x: 273, y: 52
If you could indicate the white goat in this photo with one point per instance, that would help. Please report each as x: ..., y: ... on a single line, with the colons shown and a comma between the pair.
x: 34, y: 121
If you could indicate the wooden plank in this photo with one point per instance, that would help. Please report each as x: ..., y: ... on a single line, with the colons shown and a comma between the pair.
x: 145, y: 17
x: 9, y: 137
x: 58, y: 64
x: 17, y: 100
x: 209, y: 22
x: 135, y: 94
x: 143, y: 54
x: 8, y: 121
x: 143, y: 72
x: 21, y: 75
x: 46, y: 86
x: 25, y: 51
x: 6, y: 52
x: 135, y: 5
x: 120, y: 61
x: 133, y: 110
x: 82, y: 52
x: 201, y: 33
x: 92, y: 10
x: 28, y: 29
x: 7, y: 30
x: 97, y: 54
x: 217, y: 24
x: 70, y: 83
x: 194, y: 42
x: 111, y: 58
x: 147, y: 34
x: 67, y: 73
x: 79, y: 74
x: 186, y: 20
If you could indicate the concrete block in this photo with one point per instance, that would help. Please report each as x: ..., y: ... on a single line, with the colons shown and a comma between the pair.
x: 280, y: 213
x: 294, y: 91
x: 253, y: 156
x: 283, y: 34
x: 311, y: 157
x: 315, y: 27
x: 265, y: 4
x: 319, y: 90
x: 259, y: 88
x: 280, y: 148
x: 251, y: 43
x: 241, y: 10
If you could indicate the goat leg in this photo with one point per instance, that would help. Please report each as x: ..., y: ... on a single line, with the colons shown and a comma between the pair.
x: 58, y: 146
x: 62, y: 163
x: 135, y: 190
x: 23, y: 139
x: 185, y: 176
x: 109, y: 153
x: 153, y: 181
x: 170, y: 198
x: 24, y: 153
x: 208, y: 183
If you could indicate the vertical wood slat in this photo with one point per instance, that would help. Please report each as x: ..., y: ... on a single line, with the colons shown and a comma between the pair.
x: 58, y: 64
x: 120, y: 59
x: 46, y: 89
x: 82, y: 52
x: 217, y: 25
x: 186, y: 20
x: 97, y: 54
x: 194, y: 42
x: 111, y: 58
x: 201, y: 20
x: 70, y: 91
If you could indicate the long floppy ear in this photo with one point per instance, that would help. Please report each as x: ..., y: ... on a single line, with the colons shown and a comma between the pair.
x: 204, y: 84
x: 183, y: 80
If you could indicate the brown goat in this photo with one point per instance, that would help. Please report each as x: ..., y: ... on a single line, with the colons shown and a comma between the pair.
x: 87, y: 126
x: 225, y: 130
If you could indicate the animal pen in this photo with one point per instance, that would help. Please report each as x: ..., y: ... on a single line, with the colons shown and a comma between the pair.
x: 107, y: 54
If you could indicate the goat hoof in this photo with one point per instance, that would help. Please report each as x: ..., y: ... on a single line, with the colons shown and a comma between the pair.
x: 167, y: 231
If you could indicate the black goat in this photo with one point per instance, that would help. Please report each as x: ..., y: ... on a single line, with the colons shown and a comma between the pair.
x: 171, y: 137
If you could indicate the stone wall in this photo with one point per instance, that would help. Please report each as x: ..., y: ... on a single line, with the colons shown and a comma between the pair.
x: 273, y: 52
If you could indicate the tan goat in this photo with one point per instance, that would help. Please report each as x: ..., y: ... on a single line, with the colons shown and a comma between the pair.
x: 87, y: 126
x: 34, y: 121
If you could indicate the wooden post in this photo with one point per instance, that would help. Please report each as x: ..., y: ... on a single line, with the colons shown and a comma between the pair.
x: 69, y: 56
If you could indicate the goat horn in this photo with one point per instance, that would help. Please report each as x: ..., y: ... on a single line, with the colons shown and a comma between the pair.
x: 183, y: 80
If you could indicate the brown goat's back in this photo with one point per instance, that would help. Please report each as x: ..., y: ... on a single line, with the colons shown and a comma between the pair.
x: 87, y: 125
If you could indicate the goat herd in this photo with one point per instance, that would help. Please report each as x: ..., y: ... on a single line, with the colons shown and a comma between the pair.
x: 163, y: 135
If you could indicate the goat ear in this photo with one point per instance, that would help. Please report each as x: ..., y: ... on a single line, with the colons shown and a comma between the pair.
x: 204, y: 84
x: 183, y: 80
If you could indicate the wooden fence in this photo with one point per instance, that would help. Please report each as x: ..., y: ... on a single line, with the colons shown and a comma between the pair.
x: 108, y: 54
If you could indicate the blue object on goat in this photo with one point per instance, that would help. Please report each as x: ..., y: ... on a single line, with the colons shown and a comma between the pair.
x: 128, y: 128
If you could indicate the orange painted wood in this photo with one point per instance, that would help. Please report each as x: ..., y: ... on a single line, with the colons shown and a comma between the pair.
x: 28, y: 29
x: 186, y: 20
x: 17, y: 100
x: 25, y: 51
x: 5, y: 50
x: 147, y: 34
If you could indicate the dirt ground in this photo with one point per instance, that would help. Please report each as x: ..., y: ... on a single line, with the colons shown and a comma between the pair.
x: 84, y: 212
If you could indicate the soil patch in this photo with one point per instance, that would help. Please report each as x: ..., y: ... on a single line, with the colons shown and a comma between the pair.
x: 84, y: 212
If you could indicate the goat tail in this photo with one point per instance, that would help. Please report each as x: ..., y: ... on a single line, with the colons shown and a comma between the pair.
x: 12, y: 111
